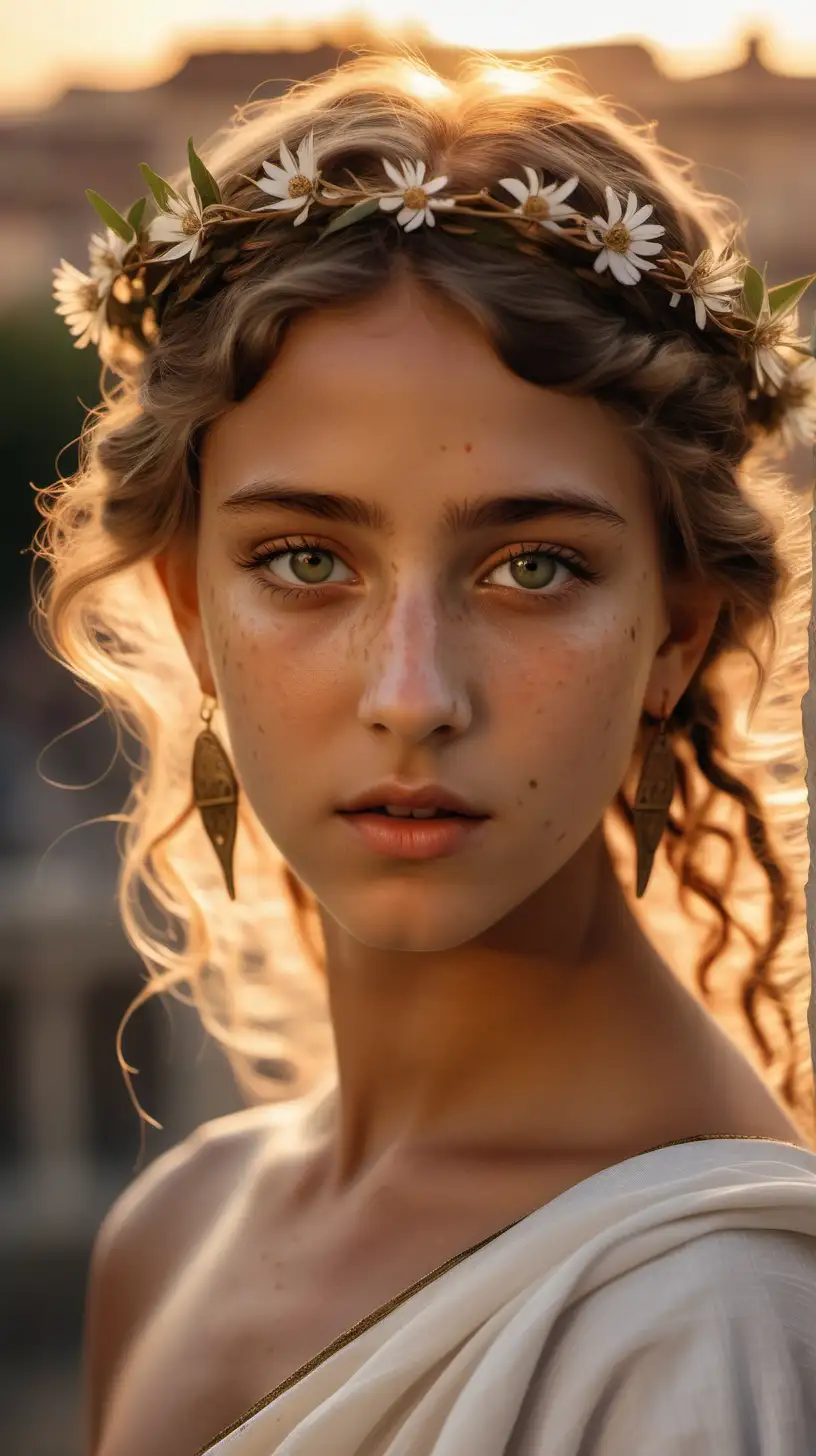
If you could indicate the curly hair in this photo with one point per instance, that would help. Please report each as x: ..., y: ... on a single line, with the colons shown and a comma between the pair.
x: 735, y: 861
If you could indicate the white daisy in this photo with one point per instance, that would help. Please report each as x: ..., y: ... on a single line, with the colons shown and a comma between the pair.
x: 800, y: 417
x: 538, y: 203
x: 624, y: 239
x: 82, y: 303
x: 710, y: 284
x: 414, y: 196
x: 183, y: 221
x: 770, y: 368
x: 770, y: 335
x: 294, y: 182
x: 107, y: 255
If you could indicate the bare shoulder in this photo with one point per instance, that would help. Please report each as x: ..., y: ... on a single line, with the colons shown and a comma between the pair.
x: 149, y: 1230
x: 184, y: 1184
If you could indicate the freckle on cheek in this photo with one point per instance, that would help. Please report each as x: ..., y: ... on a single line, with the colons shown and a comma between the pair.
x: 468, y: 447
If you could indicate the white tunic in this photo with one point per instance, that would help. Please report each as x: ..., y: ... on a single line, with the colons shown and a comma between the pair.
x: 665, y: 1306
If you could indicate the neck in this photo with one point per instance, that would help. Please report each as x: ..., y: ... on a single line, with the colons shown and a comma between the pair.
x: 525, y: 1039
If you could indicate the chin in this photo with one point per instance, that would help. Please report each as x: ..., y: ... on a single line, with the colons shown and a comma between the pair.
x: 410, y: 919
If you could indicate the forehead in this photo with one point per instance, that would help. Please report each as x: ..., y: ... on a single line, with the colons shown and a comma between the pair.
x: 402, y: 395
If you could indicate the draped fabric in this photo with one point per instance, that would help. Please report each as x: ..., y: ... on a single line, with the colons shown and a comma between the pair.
x: 666, y: 1304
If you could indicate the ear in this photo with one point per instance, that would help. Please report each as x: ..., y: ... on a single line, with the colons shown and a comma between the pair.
x: 693, y: 607
x: 177, y: 572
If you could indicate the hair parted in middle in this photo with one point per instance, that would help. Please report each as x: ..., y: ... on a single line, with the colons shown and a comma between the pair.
x: 682, y: 396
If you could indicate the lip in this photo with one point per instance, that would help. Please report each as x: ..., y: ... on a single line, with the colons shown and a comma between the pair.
x: 412, y: 838
x: 406, y: 796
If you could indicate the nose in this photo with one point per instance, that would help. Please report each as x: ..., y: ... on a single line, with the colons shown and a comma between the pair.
x: 417, y: 680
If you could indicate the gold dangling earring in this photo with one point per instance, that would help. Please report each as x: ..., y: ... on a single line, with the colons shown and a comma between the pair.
x: 215, y: 790
x: 653, y: 797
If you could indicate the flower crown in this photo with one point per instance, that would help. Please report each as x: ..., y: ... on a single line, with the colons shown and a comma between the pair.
x: 120, y: 303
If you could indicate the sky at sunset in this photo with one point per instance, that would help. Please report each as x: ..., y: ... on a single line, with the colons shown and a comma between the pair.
x: 52, y: 44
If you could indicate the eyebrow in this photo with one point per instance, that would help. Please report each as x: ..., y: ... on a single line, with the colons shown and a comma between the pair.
x: 457, y: 517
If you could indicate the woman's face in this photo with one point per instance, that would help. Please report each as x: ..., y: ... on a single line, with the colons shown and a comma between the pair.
x: 415, y: 650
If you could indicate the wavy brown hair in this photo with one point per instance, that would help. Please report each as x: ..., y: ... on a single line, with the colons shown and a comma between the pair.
x: 729, y: 888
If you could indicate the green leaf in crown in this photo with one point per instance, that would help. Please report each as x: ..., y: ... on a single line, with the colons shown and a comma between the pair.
x: 351, y: 214
x: 113, y: 219
x: 784, y: 298
x: 161, y: 190
x: 204, y: 182
x: 136, y: 213
x: 753, y: 292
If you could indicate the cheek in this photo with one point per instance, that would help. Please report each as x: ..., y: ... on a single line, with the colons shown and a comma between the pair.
x: 582, y: 702
x: 280, y: 706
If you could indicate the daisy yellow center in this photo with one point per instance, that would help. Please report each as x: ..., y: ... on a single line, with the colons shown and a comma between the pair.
x: 414, y: 197
x: 618, y: 238
x: 536, y: 207
x: 88, y: 296
x: 698, y: 279
x: 770, y: 334
x: 299, y: 186
x: 190, y: 224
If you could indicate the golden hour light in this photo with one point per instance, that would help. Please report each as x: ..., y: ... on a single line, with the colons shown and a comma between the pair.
x: 511, y: 79
x: 138, y: 47
x: 410, y: 446
x: 422, y: 83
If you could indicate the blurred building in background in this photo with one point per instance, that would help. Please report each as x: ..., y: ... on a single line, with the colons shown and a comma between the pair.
x: 69, y: 1135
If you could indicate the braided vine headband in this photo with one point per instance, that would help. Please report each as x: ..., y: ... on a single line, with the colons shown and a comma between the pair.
x: 131, y: 280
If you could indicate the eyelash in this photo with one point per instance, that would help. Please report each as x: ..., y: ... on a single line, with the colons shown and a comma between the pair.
x: 582, y: 574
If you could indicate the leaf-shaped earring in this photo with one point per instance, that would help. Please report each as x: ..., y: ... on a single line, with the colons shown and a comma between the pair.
x: 653, y: 797
x: 215, y: 790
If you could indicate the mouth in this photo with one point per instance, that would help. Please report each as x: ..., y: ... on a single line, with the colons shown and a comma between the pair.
x: 420, y: 818
x: 428, y: 836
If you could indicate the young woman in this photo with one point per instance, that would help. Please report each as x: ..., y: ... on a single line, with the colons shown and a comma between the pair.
x: 438, y: 465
